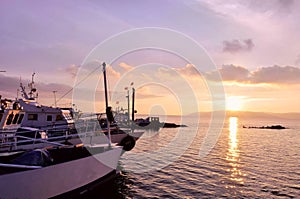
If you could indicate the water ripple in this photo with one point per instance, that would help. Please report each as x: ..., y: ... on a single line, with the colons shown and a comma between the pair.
x: 245, y: 163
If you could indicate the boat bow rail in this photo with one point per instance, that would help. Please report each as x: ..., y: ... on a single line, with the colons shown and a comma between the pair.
x: 35, y: 138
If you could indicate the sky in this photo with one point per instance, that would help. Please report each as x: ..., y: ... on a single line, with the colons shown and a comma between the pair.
x: 254, y: 45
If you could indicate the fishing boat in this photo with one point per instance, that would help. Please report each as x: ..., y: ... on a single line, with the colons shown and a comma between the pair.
x: 64, y: 171
x: 59, y: 171
x: 25, y: 119
x: 27, y: 112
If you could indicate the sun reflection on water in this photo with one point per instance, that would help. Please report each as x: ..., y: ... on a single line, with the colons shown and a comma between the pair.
x: 233, y: 152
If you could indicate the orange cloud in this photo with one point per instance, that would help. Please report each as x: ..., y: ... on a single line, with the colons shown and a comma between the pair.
x: 112, y: 72
x: 188, y: 70
x: 126, y: 66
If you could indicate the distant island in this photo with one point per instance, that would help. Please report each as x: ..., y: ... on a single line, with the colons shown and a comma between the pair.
x: 265, y: 127
x: 251, y: 115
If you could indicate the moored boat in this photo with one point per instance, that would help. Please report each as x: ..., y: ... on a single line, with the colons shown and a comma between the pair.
x: 63, y: 171
x: 59, y: 169
x: 26, y: 119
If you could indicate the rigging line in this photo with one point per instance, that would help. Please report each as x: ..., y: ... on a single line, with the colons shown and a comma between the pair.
x: 79, y: 83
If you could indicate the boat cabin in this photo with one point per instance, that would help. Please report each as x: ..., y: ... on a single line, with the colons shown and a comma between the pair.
x: 27, y: 114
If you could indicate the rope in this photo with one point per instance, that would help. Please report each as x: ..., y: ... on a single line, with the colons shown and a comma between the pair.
x: 78, y: 83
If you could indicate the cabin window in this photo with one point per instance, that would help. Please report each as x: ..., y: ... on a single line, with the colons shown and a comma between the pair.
x: 68, y: 116
x: 9, y: 119
x: 32, y: 117
x: 16, y: 118
x: 59, y: 117
x: 49, y: 117
x: 20, y: 118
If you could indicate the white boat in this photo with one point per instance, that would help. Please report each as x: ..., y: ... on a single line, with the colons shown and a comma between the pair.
x: 26, y: 119
x: 60, y: 171
x: 72, y: 172
x: 27, y: 112
x: 15, y: 115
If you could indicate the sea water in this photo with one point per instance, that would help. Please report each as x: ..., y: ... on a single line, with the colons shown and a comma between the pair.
x: 244, y: 163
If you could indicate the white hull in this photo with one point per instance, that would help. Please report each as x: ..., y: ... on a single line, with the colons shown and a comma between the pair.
x: 58, y: 179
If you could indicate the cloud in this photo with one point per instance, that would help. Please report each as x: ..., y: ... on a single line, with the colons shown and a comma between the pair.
x: 9, y: 86
x: 297, y: 62
x: 272, y: 6
x: 72, y: 70
x: 147, y: 92
x: 286, y: 3
x: 112, y: 72
x: 274, y: 74
x: 240, y: 8
x: 230, y: 72
x: 236, y: 46
x: 189, y: 70
x: 125, y: 66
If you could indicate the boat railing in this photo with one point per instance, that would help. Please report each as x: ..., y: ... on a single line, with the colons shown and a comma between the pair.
x: 14, y: 140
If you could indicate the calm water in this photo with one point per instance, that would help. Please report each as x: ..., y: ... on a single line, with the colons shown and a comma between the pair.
x: 245, y: 163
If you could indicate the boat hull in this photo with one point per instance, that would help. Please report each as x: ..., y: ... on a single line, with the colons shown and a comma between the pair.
x: 59, y: 179
x: 89, y: 189
x: 70, y: 140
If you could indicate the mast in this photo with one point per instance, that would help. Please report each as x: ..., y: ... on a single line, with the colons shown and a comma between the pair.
x: 105, y: 84
x: 109, y: 116
x: 133, y: 93
x: 128, y: 105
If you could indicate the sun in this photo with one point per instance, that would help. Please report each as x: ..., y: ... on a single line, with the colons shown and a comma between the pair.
x: 233, y: 103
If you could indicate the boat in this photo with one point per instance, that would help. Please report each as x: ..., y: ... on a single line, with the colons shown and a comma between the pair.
x: 64, y: 171
x: 154, y: 123
x: 25, y: 119
x: 22, y: 115
x: 27, y: 112
x: 59, y: 171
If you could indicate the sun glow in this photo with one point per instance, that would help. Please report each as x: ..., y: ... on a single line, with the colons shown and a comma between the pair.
x: 233, y: 152
x: 233, y: 103
x: 233, y: 126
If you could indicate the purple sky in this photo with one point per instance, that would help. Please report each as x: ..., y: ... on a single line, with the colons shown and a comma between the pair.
x: 51, y: 38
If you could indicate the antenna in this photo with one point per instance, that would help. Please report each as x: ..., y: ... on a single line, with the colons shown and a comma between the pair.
x: 33, y: 90
x: 32, y: 77
x: 54, y: 93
